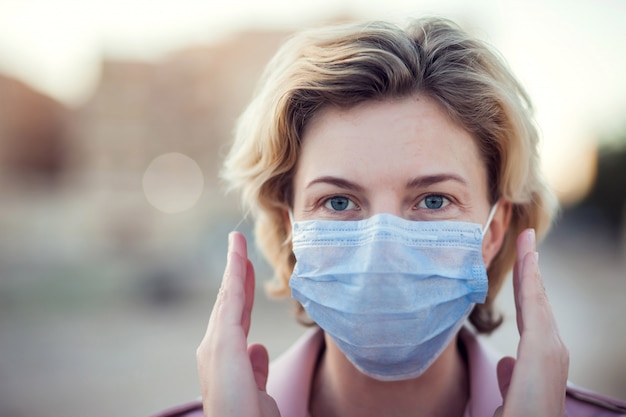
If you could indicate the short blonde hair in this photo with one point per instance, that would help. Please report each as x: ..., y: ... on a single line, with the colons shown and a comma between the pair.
x: 348, y: 64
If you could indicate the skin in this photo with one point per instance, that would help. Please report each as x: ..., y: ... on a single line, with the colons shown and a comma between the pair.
x: 395, y: 157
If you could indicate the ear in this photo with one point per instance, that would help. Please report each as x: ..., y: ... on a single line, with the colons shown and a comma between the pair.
x: 287, y: 219
x: 492, y: 242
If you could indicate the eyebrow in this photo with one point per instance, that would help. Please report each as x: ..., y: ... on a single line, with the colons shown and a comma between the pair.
x: 336, y: 181
x: 428, y: 180
x: 419, y: 182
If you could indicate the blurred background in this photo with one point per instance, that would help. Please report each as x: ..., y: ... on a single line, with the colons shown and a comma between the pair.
x: 114, y: 117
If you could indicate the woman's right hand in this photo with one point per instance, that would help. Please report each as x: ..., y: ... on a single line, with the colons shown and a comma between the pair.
x: 232, y: 375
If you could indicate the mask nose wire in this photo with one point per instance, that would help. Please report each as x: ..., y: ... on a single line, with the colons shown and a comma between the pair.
x: 492, y: 213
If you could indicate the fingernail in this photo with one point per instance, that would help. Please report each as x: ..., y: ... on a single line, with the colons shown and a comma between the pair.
x: 234, y: 246
x: 231, y: 238
x: 531, y: 237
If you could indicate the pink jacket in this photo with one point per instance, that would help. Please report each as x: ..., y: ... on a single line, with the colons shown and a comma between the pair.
x: 291, y: 375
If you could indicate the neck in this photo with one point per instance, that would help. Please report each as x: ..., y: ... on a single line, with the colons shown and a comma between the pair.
x: 339, y: 389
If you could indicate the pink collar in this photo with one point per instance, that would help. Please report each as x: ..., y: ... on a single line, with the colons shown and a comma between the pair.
x: 482, y: 362
x: 292, y: 373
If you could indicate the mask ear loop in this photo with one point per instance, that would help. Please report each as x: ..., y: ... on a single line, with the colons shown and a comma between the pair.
x: 490, y: 218
x: 243, y: 219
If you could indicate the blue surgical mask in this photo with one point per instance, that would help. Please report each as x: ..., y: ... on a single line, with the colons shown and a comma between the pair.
x: 391, y: 293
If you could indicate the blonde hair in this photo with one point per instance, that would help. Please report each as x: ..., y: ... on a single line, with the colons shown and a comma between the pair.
x: 349, y: 64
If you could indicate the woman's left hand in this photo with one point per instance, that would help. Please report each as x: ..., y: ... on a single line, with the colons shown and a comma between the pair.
x: 535, y: 383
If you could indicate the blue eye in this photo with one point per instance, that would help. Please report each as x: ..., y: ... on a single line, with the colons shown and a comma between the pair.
x: 434, y: 202
x: 339, y: 203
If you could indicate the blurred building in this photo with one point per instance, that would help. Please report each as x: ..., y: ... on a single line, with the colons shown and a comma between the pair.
x: 187, y: 103
x: 87, y: 163
x: 33, y: 136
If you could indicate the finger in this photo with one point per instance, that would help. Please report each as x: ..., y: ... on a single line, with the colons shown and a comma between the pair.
x: 246, y: 315
x: 536, y: 310
x: 231, y: 299
x: 516, y: 293
x: 525, y: 244
x: 259, y: 358
x: 505, y: 373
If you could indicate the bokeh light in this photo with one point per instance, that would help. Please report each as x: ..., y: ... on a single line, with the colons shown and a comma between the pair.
x: 173, y: 183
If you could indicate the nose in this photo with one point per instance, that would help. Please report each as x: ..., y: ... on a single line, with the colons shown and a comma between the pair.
x: 388, y: 202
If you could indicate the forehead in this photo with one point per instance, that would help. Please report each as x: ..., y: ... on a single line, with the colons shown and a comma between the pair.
x: 391, y: 139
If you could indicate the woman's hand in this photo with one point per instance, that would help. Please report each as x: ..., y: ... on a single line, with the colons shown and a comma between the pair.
x: 233, y: 375
x: 534, y: 384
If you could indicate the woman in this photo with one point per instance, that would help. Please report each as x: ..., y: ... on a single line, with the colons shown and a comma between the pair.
x: 394, y: 179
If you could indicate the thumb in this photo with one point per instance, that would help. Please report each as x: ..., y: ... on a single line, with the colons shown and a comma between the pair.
x: 260, y: 360
x: 505, y: 373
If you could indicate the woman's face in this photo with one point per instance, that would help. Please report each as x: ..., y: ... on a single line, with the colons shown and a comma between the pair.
x: 403, y: 157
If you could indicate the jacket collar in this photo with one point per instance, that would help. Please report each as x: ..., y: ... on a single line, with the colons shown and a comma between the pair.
x: 292, y: 373
x: 482, y: 363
